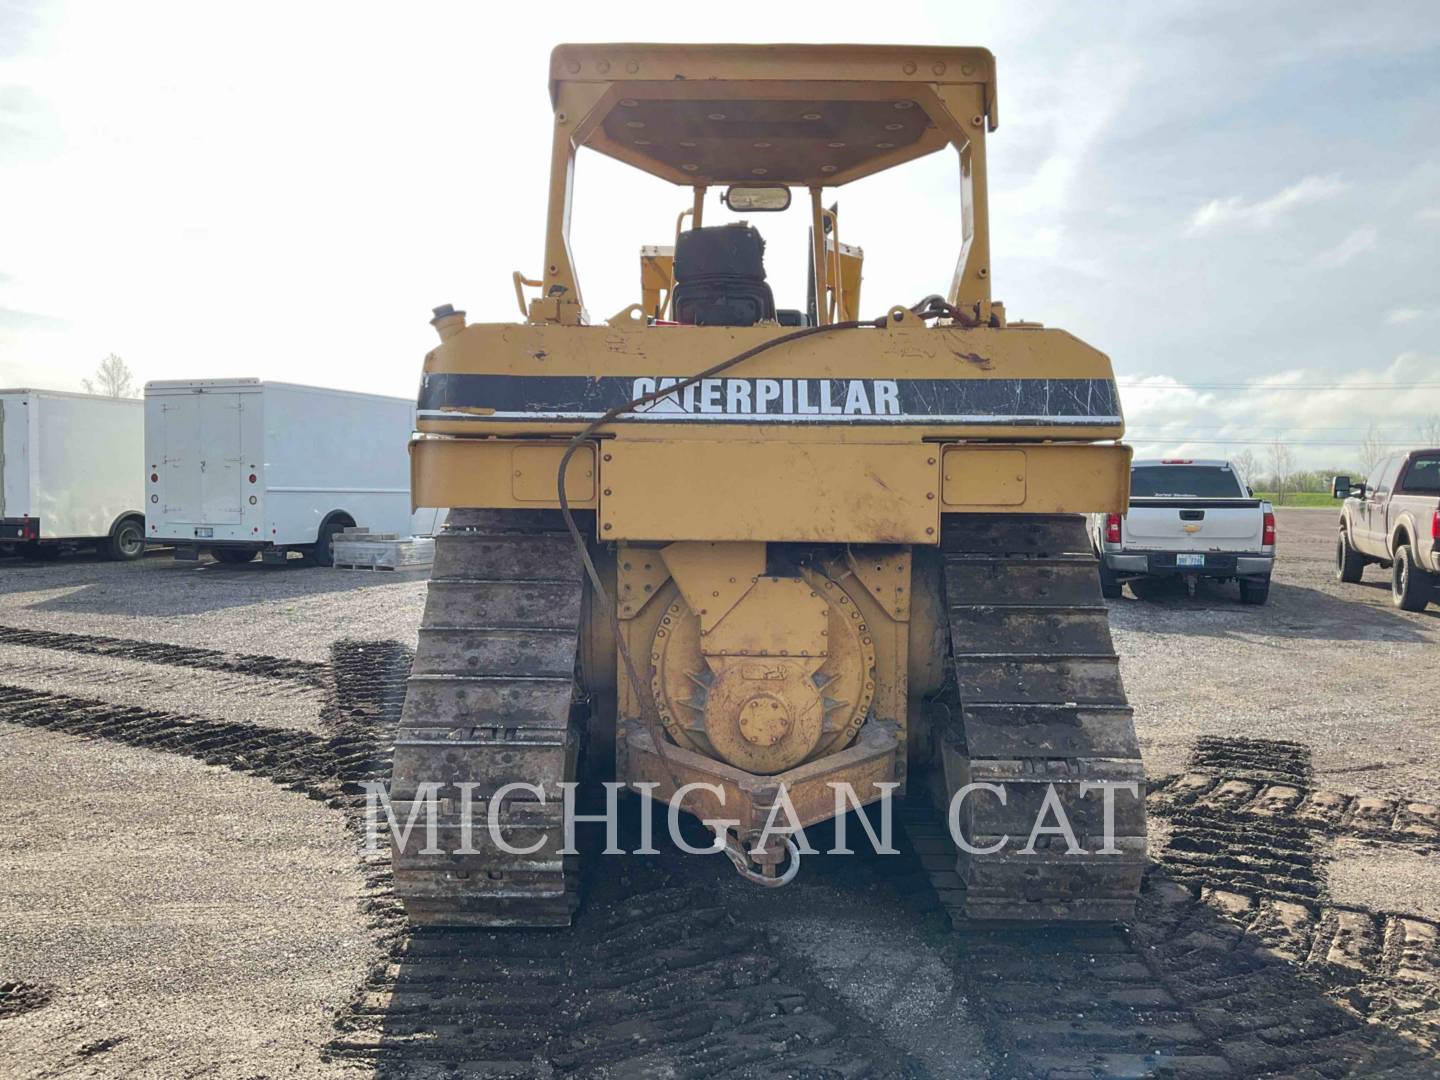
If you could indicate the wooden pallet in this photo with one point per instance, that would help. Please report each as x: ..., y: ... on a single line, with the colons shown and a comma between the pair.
x: 412, y: 553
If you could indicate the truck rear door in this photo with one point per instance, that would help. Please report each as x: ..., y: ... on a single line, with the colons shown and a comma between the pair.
x: 1179, y: 507
x: 202, y: 458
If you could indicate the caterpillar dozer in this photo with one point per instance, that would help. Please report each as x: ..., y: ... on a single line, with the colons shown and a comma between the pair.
x: 771, y: 551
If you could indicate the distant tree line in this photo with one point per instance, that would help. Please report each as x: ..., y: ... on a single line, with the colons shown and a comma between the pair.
x: 1276, y: 472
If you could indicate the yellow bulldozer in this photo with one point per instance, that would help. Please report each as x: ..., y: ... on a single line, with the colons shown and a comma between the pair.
x: 718, y: 549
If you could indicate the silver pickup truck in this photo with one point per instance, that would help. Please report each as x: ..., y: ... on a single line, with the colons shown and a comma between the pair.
x: 1393, y: 519
x: 1189, y: 520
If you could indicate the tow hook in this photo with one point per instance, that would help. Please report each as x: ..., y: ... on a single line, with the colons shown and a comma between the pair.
x: 1191, y: 583
x: 767, y: 861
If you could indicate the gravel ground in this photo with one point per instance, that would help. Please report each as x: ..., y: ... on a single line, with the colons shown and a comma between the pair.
x: 1367, y: 876
x: 889, y: 971
x: 278, y: 611
x: 216, y: 695
x: 1333, y: 666
x: 188, y: 921
x: 167, y: 949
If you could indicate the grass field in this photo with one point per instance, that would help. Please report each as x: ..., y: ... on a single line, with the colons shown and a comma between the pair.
x: 1302, y: 498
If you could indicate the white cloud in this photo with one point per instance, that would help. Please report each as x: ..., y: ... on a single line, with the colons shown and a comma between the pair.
x: 1398, y: 316
x: 1429, y: 213
x: 1322, y: 417
x: 1360, y: 240
x: 1234, y: 211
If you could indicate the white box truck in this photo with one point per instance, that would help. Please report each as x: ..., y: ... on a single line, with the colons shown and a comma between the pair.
x: 72, y: 473
x: 240, y: 467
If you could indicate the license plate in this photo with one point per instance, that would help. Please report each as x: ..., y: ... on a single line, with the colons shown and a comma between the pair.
x: 208, y: 534
x: 1189, y: 560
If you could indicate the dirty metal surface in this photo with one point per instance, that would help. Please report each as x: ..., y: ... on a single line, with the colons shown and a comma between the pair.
x: 1040, y: 703
x: 498, y: 640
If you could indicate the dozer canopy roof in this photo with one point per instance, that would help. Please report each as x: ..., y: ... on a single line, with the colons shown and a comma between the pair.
x: 811, y: 115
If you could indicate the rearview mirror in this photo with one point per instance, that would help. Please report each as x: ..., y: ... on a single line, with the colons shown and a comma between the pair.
x: 762, y: 198
x: 1340, y: 487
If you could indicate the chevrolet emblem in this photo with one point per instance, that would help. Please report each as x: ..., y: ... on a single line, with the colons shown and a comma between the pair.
x: 1192, y: 528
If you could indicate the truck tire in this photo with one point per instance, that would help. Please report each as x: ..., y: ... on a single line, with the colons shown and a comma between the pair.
x: 1410, y: 587
x: 126, y: 542
x: 323, y: 554
x: 1349, y: 563
x: 1110, y: 586
x: 1255, y: 590
x: 233, y: 556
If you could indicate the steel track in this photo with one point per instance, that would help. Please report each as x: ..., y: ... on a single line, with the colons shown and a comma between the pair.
x: 1040, y: 704
x: 490, y: 702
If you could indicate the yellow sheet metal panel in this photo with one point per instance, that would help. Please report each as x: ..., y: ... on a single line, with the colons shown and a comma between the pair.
x: 1051, y: 478
x: 497, y: 474
x: 910, y: 351
x: 534, y: 470
x: 713, y: 577
x: 748, y: 490
x: 984, y: 478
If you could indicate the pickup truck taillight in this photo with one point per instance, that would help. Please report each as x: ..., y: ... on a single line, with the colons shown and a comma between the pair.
x: 1269, y: 537
x: 1435, y: 526
x: 1112, y: 528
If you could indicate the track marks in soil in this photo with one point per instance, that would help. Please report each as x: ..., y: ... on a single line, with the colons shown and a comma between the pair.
x: 22, y: 997
x: 1065, y: 1001
x: 1316, y: 811
x: 1264, y: 1015
x: 1196, y: 985
x: 149, y: 682
x: 319, y: 767
x: 662, y: 982
x: 1245, y: 840
x: 307, y: 672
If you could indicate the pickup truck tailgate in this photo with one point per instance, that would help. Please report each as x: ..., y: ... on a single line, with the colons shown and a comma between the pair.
x: 1232, y: 525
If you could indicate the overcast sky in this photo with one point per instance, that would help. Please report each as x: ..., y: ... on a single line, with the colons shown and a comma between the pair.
x: 1243, y: 197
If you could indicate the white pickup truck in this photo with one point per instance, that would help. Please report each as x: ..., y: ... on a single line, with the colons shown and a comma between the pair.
x: 1187, y: 519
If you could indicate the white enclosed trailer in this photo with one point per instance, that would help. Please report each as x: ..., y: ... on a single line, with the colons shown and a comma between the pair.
x: 240, y: 466
x: 72, y: 472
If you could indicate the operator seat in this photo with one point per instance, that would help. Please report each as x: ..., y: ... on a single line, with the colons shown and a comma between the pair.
x: 720, y: 277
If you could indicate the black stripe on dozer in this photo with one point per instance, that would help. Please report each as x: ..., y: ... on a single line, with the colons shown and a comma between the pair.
x: 581, y: 396
x: 1039, y: 703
